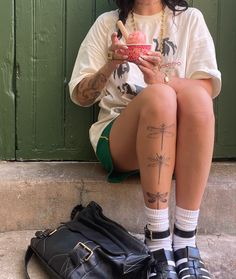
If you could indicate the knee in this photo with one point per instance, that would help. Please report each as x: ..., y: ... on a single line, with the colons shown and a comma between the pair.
x: 196, y: 105
x: 159, y: 100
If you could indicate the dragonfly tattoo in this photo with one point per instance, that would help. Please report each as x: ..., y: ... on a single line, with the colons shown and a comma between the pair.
x: 160, y: 161
x: 157, y: 197
x: 162, y: 130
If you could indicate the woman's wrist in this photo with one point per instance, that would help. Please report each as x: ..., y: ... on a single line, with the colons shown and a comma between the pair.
x: 111, y: 66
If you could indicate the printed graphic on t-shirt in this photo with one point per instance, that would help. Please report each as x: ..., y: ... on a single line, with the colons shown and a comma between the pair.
x: 169, y: 47
x: 127, y: 84
x: 130, y: 90
x: 121, y: 71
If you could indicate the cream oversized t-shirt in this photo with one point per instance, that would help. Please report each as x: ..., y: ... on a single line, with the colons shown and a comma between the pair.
x: 188, y: 52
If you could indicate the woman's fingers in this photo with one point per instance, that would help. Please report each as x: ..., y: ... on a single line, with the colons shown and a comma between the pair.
x: 114, y: 38
x: 119, y: 47
x: 154, y: 53
x: 150, y: 71
x: 117, y: 51
x: 146, y: 70
x: 155, y: 60
x: 147, y: 63
x: 116, y: 44
x: 152, y: 57
x: 152, y: 76
x: 114, y: 55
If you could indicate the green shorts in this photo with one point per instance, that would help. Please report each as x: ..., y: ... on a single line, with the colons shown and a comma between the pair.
x: 104, y: 155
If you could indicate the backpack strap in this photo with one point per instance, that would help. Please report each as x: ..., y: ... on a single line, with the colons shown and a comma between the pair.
x: 28, y: 255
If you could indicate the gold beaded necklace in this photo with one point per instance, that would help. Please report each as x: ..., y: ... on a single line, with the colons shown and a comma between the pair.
x: 161, y: 32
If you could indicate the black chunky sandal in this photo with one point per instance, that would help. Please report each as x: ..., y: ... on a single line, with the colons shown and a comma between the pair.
x: 161, y: 267
x: 194, y: 268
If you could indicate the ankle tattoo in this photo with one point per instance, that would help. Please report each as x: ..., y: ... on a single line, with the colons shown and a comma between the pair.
x: 157, y: 198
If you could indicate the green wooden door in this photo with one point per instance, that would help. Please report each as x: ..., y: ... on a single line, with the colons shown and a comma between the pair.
x: 220, y: 16
x: 7, y: 96
x: 37, y: 118
x: 48, y: 35
x: 225, y: 105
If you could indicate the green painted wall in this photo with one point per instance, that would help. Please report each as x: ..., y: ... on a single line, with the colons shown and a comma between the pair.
x: 37, y: 119
x: 48, y: 35
x: 7, y: 96
x: 220, y: 17
x: 226, y: 103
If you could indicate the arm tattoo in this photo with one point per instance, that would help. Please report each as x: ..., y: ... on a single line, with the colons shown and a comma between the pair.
x: 90, y: 88
x: 160, y: 161
x: 162, y: 130
x: 157, y: 198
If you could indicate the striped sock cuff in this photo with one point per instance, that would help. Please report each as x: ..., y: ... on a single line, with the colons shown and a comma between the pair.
x: 157, y: 219
x: 186, y: 220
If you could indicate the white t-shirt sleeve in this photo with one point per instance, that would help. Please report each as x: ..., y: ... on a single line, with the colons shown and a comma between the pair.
x: 91, y: 56
x: 201, y: 62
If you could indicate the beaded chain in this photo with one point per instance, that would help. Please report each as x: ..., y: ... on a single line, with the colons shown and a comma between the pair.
x: 162, y: 28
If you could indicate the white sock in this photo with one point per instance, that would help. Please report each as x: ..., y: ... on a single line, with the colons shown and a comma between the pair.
x: 158, y: 221
x: 185, y: 220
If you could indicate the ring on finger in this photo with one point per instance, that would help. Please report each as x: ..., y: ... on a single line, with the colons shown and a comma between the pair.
x: 155, y: 58
x: 110, y: 55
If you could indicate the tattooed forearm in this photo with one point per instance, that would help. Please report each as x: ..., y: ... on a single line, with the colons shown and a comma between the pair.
x: 162, y: 130
x: 90, y: 88
x: 157, y: 198
x: 158, y: 161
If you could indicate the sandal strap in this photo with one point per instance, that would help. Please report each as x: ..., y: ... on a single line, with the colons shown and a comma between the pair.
x: 171, y: 275
x: 191, y: 253
x: 156, y: 235
x: 194, y: 267
x: 184, y: 234
x: 161, y: 266
x: 191, y: 264
x: 163, y: 255
x: 193, y: 273
x: 196, y: 273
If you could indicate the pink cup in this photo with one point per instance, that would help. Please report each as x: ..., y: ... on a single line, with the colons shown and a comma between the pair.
x: 136, y: 50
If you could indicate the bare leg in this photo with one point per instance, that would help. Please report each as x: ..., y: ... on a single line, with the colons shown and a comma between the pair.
x: 194, y: 154
x: 144, y: 137
x: 194, y: 146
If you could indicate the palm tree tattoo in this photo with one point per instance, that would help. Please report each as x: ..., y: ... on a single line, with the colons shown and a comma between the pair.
x: 162, y: 130
x: 160, y: 161
x: 157, y: 197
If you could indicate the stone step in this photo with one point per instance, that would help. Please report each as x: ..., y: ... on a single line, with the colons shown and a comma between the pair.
x: 41, y: 195
x: 218, y: 252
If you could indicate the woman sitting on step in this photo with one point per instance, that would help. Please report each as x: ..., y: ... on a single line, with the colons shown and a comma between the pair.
x: 156, y: 117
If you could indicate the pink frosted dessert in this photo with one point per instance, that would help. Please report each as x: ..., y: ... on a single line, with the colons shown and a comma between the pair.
x: 136, y: 42
x: 135, y: 51
x: 137, y: 46
x: 136, y: 38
